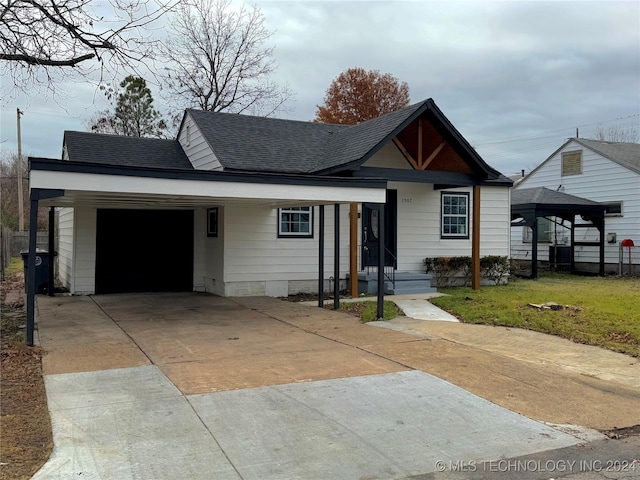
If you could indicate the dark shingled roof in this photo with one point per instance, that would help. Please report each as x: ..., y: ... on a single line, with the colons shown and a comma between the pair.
x: 246, y: 143
x: 545, y: 196
x: 356, y: 141
x: 271, y: 145
x: 626, y: 154
x: 125, y: 151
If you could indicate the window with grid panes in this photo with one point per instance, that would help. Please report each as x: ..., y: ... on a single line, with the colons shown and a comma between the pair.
x: 295, y: 222
x: 455, y: 215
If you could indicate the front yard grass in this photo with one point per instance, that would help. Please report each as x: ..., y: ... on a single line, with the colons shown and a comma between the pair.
x: 367, y: 310
x: 608, y: 314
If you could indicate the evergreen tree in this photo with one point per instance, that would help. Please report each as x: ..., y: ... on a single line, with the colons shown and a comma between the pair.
x: 134, y: 115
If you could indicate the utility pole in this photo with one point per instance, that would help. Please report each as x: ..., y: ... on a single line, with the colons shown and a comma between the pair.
x: 20, y: 196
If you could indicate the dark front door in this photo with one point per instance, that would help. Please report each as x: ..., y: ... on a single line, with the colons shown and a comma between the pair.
x: 371, y: 231
x: 144, y: 251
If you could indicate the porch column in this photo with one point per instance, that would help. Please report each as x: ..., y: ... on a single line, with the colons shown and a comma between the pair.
x: 52, y: 219
x: 336, y: 256
x: 31, y: 267
x: 353, y: 249
x: 534, y: 249
x: 321, y: 256
x: 572, y: 267
x: 601, y: 269
x: 381, y: 255
x: 475, y: 240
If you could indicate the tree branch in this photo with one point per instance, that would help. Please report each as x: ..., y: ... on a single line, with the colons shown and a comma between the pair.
x: 31, y: 60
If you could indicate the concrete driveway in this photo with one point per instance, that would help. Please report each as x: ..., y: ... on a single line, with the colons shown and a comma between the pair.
x: 198, y: 386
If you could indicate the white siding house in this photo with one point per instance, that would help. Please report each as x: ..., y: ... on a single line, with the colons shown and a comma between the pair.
x: 247, y: 236
x: 603, y: 172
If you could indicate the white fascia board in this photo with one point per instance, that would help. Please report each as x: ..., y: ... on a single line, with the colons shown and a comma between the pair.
x: 91, y: 182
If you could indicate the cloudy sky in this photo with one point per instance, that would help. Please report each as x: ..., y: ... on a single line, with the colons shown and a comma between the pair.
x: 515, y: 78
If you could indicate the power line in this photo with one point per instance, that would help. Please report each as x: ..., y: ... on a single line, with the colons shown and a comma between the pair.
x: 544, y: 133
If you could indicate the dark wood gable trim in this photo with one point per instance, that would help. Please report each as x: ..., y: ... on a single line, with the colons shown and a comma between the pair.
x: 419, y: 162
x: 427, y: 146
x: 469, y: 161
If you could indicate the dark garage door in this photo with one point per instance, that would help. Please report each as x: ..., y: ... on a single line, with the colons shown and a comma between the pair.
x: 144, y: 251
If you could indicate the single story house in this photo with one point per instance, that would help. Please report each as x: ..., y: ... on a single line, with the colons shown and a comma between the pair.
x: 236, y: 204
x: 597, y: 173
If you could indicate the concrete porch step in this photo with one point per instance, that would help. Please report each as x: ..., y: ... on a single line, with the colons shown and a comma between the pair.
x: 405, y: 283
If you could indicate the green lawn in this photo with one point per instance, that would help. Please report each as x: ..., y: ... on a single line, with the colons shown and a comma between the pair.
x: 608, y: 314
x: 367, y: 310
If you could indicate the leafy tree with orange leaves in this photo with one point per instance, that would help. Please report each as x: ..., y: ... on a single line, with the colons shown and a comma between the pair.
x: 357, y: 95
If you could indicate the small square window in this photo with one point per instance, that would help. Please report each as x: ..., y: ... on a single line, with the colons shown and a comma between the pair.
x: 295, y: 222
x: 212, y: 222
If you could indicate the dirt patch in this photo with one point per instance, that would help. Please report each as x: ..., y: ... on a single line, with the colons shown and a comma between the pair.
x: 313, y: 297
x: 26, y: 441
x: 618, y: 433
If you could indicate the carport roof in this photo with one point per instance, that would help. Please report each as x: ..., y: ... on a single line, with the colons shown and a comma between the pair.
x: 99, y: 185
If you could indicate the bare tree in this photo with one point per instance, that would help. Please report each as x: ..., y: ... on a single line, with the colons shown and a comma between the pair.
x: 357, y: 95
x: 218, y: 60
x: 41, y: 41
x: 617, y: 133
x: 10, y: 163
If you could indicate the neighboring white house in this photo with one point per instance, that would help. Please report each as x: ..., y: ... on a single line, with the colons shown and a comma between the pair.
x: 232, y: 206
x: 605, y: 172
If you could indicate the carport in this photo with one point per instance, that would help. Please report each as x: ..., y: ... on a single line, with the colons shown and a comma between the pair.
x: 529, y: 204
x: 59, y: 183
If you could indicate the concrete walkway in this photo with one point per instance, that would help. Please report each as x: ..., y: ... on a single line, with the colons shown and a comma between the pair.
x: 197, y: 386
x: 529, y: 346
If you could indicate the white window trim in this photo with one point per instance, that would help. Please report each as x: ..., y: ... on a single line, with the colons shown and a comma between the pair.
x: 282, y: 234
x: 621, y: 214
x: 460, y: 236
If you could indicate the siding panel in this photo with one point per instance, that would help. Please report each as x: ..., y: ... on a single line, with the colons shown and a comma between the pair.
x: 196, y: 147
x: 64, y: 260
x: 84, y: 265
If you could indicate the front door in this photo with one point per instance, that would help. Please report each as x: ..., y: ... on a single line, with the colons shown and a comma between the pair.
x: 371, y: 232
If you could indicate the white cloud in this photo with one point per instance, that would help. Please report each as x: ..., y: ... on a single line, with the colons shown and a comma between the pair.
x: 498, y: 70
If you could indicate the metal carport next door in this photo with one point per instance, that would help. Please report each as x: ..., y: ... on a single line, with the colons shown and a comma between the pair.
x: 144, y: 251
